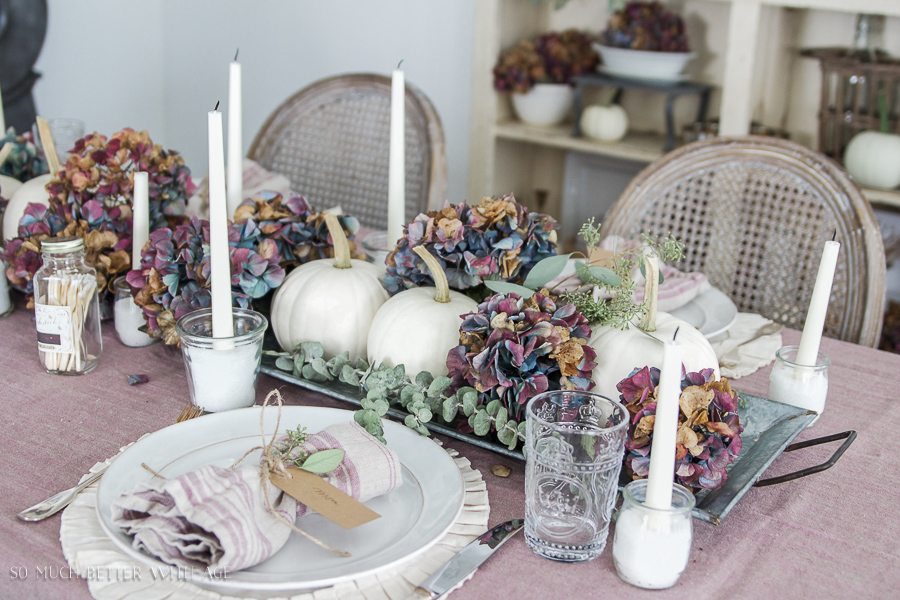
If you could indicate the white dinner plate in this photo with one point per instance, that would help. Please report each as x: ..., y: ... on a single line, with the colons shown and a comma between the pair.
x: 413, y: 517
x: 712, y: 312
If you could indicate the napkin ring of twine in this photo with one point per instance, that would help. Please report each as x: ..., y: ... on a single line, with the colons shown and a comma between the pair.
x: 272, y: 465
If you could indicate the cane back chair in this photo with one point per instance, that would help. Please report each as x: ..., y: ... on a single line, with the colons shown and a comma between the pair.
x: 331, y: 140
x: 754, y: 214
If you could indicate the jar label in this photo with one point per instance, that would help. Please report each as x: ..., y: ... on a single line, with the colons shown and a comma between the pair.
x: 54, y: 328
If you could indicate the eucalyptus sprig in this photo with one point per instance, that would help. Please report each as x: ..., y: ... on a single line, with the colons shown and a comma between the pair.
x: 424, y: 398
x: 610, y: 297
x: 292, y: 454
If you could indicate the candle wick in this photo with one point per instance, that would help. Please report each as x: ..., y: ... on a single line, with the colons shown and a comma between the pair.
x: 834, y: 234
x: 399, y: 63
x: 675, y: 335
x: 217, y: 105
x: 236, y: 54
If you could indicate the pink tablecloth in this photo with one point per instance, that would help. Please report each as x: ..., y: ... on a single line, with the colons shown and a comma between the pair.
x: 832, y: 535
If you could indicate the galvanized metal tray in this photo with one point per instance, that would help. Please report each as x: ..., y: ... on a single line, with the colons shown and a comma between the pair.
x: 769, y: 427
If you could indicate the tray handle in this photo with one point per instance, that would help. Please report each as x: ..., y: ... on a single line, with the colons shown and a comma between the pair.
x: 849, y: 436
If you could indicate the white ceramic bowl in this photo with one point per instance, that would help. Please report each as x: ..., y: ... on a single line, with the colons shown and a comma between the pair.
x: 643, y: 64
x: 544, y: 104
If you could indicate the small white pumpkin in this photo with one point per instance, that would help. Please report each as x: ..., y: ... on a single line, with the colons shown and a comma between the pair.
x: 8, y: 186
x: 32, y: 191
x: 331, y: 301
x: 604, y: 123
x: 873, y: 159
x: 418, y: 327
x: 620, y: 351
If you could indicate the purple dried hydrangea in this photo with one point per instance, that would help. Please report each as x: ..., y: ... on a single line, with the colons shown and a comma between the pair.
x: 513, y: 349
x: 709, y: 430
x: 497, y: 239
x: 646, y: 26
x: 175, y: 268
x: 299, y: 233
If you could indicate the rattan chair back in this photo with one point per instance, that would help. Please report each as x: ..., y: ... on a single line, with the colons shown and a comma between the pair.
x: 754, y: 214
x: 331, y: 140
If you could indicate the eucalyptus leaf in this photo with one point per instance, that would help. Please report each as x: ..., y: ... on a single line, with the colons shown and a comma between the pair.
x: 422, y: 430
x: 424, y: 414
x: 493, y: 407
x: 482, y: 424
x: 406, y: 394
x: 381, y: 407
x: 312, y: 350
x: 424, y: 379
x: 508, y: 436
x: 469, y: 400
x: 504, y: 287
x: 601, y: 274
x: 417, y: 398
x: 410, y: 421
x: 348, y: 375
x: 546, y: 270
x: 450, y: 409
x: 323, y: 461
x: 284, y: 363
x: 319, y: 366
x: 500, y: 419
x: 587, y: 443
x: 371, y: 417
x: 437, y: 387
x: 400, y: 373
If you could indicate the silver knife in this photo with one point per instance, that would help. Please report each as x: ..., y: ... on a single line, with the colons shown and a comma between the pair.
x: 467, y: 560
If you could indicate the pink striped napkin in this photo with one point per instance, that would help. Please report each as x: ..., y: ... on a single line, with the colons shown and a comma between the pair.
x: 217, y: 518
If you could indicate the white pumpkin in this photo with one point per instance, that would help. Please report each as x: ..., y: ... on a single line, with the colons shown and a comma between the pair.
x: 32, y: 191
x: 604, y: 123
x: 873, y: 159
x: 620, y: 351
x: 331, y: 301
x: 418, y: 327
x: 8, y: 186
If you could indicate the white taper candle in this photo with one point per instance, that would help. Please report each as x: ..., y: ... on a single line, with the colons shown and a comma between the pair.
x: 140, y: 217
x: 665, y: 428
x: 220, y: 257
x: 396, y: 167
x: 235, y: 140
x: 808, y: 351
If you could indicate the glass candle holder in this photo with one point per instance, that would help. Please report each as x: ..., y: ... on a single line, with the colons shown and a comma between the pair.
x: 6, y: 305
x: 222, y: 372
x: 129, y: 317
x: 375, y: 247
x: 574, y: 446
x: 799, y: 385
x: 651, y: 546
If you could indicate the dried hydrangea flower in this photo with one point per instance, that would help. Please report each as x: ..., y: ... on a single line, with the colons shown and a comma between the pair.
x: 513, y: 349
x: 709, y: 431
x: 175, y: 267
x: 26, y: 161
x: 497, y: 239
x: 553, y: 57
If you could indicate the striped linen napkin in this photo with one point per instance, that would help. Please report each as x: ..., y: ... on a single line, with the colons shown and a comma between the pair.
x: 217, y: 518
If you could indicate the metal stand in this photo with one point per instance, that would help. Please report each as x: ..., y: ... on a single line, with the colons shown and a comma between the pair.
x: 671, y: 89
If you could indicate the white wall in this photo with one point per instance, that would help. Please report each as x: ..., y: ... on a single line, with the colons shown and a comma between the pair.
x: 161, y: 65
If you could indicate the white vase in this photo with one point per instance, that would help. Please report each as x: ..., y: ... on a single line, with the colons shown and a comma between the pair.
x: 544, y: 104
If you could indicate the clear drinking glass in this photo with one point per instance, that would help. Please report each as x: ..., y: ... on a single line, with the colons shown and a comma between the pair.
x: 65, y: 133
x: 222, y: 372
x: 574, y: 446
x: 651, y: 546
x: 799, y: 385
x: 375, y: 247
x: 129, y: 317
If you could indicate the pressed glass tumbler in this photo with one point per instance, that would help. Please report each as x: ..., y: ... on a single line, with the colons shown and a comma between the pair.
x: 574, y: 446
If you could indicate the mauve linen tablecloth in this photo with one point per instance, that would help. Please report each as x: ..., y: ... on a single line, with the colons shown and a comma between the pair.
x: 832, y: 535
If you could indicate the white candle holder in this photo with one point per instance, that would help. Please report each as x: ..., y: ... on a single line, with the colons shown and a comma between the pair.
x: 799, y: 385
x: 652, y: 546
x: 129, y: 317
x: 222, y: 372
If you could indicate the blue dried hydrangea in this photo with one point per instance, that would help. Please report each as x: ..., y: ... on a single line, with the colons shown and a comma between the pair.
x: 513, y: 349
x: 175, y: 268
x: 26, y: 161
x: 299, y: 232
x: 709, y: 430
x: 497, y: 239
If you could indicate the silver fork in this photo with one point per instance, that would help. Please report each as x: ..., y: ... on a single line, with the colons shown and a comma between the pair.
x: 57, y: 502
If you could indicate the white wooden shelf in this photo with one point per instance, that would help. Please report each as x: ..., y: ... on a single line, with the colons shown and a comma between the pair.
x: 637, y: 146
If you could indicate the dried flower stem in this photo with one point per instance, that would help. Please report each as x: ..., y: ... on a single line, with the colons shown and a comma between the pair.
x: 437, y: 273
x: 651, y: 293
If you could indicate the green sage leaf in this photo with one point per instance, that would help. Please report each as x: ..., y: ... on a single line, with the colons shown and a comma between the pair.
x: 546, y: 270
x: 323, y: 461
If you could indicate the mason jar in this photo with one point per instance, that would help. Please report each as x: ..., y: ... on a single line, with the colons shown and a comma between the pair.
x: 66, y: 308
